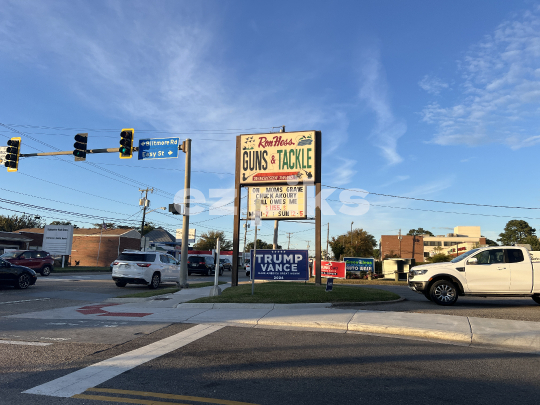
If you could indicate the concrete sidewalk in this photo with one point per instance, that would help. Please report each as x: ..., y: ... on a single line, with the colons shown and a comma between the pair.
x: 522, y: 336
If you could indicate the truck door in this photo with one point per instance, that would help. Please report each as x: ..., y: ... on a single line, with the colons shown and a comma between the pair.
x: 488, y: 273
x: 520, y: 271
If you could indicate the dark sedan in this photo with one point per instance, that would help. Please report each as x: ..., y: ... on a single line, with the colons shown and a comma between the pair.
x: 18, y: 276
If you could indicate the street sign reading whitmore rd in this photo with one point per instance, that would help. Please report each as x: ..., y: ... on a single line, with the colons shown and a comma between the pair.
x: 158, y: 148
x: 278, y: 158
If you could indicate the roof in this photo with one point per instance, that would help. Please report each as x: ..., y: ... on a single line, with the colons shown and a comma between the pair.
x: 12, y: 236
x: 84, y: 231
x: 159, y: 235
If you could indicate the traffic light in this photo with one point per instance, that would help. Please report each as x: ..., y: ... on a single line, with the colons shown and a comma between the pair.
x: 126, y: 143
x: 80, y: 145
x: 12, y: 154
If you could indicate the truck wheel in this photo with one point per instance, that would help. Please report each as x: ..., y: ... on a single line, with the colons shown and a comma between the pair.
x: 120, y: 283
x: 536, y: 298
x: 443, y: 292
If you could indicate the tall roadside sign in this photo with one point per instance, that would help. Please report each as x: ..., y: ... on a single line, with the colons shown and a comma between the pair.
x: 276, y: 166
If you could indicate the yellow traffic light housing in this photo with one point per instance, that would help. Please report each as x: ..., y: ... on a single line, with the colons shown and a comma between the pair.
x: 126, y: 143
x: 12, y: 155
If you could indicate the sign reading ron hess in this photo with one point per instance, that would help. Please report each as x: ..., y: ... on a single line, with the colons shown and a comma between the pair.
x: 280, y: 265
x: 278, y: 158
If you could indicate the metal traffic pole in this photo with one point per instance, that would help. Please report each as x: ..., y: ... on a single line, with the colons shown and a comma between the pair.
x: 215, y: 289
x: 186, y: 148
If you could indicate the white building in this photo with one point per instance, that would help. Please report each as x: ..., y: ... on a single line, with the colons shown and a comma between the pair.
x: 463, y: 239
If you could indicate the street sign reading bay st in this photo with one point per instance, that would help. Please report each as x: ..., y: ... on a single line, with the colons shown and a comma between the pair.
x: 158, y: 148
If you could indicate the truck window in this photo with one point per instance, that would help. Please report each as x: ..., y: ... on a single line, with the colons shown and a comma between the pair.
x: 490, y: 256
x: 515, y: 255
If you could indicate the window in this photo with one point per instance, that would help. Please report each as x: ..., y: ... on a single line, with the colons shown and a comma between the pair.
x: 41, y: 254
x: 163, y: 259
x: 514, y: 255
x: 134, y: 257
x: 426, y: 243
x: 28, y: 255
x: 196, y: 259
x: 426, y: 254
x: 490, y: 256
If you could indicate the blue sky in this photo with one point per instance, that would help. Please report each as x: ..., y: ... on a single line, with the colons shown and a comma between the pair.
x: 431, y: 100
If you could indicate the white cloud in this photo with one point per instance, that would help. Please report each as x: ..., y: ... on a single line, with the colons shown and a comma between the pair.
x: 169, y: 69
x: 395, y: 180
x: 432, y: 85
x: 343, y: 173
x: 500, y: 90
x: 374, y: 92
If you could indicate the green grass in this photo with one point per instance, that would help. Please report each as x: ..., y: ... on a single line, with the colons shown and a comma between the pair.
x: 360, y: 282
x: 167, y: 290
x: 205, y: 284
x: 81, y: 269
x: 292, y: 293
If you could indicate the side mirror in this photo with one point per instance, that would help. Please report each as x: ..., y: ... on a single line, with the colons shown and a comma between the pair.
x: 474, y: 260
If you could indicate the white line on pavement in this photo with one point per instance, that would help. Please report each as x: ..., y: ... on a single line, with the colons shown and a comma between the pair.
x: 16, y: 342
x: 80, y: 380
x: 17, y: 302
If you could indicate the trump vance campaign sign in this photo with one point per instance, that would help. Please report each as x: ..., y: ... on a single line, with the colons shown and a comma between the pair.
x: 280, y: 265
x: 279, y: 157
x: 278, y: 202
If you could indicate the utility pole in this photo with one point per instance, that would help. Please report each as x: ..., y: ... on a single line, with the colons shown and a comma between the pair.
x: 351, y: 233
x: 399, y: 237
x: 276, y: 222
x: 186, y: 148
x: 289, y: 245
x: 145, y: 203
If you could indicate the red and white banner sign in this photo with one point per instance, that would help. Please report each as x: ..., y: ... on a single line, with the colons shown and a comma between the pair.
x: 332, y: 269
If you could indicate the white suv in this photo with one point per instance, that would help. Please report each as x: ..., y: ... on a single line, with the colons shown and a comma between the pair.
x: 149, y: 268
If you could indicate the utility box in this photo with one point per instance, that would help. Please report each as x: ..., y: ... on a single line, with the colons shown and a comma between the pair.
x: 397, y: 268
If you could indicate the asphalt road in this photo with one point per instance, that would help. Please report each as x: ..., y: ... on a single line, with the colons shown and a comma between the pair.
x: 267, y: 367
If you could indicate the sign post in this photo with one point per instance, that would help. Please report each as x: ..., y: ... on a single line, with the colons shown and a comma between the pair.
x: 257, y: 223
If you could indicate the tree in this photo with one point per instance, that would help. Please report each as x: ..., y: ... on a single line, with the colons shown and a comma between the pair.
x: 419, y: 232
x: 15, y: 222
x: 208, y: 241
x: 63, y: 223
x: 490, y: 242
x: 440, y: 258
x: 533, y: 241
x: 109, y: 225
x: 261, y: 245
x: 357, y: 243
x: 516, y: 231
x: 148, y: 227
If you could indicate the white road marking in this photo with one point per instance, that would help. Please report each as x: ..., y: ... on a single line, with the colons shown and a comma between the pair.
x: 16, y: 342
x: 80, y: 380
x: 17, y: 302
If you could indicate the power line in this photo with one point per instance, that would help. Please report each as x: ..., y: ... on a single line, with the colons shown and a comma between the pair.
x: 438, y: 201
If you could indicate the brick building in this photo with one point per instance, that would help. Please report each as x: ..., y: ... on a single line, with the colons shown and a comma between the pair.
x: 12, y: 240
x: 88, y: 244
x: 409, y: 247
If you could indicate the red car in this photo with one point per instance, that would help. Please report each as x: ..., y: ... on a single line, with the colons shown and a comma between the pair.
x: 37, y: 260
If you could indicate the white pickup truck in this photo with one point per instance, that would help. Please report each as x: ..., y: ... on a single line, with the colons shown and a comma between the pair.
x: 498, y: 271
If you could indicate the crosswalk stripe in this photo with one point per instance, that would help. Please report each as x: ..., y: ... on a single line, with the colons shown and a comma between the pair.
x: 91, y: 376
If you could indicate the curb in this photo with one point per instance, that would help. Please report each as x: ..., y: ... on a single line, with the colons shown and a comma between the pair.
x: 354, y: 304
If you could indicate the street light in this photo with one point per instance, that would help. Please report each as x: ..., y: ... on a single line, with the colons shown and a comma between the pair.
x: 351, y: 232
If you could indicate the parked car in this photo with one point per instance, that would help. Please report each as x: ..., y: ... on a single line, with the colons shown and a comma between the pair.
x: 227, y: 265
x: 505, y: 271
x: 149, y: 268
x: 202, y: 265
x: 37, y: 260
x: 18, y: 276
